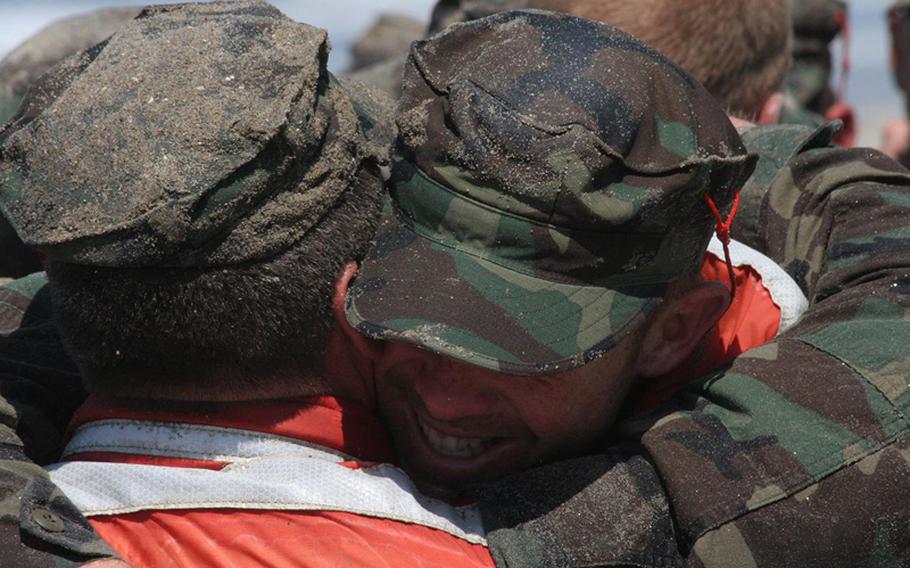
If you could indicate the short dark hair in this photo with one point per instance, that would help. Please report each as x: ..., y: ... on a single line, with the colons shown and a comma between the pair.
x: 147, y: 331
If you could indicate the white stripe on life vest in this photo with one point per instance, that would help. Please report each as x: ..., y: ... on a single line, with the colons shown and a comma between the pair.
x: 303, y: 480
x: 287, y: 483
x: 168, y: 439
x: 785, y: 292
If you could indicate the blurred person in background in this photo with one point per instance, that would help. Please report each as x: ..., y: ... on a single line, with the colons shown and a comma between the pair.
x: 896, y: 135
x: 810, y: 98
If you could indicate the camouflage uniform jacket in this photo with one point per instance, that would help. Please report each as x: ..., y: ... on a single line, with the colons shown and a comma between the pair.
x: 41, y: 390
x: 796, y: 455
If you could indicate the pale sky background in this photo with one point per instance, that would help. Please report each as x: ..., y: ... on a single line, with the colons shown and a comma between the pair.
x: 870, y: 90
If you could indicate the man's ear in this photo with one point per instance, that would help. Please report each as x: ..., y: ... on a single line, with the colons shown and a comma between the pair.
x: 771, y: 109
x: 679, y: 325
x: 370, y: 348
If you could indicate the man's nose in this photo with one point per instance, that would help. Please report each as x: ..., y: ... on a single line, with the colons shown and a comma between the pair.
x: 450, y: 391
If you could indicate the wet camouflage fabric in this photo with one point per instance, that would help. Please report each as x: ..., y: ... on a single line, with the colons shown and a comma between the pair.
x: 40, y: 390
x: 798, y: 455
x: 246, y: 140
x: 807, y: 89
x: 552, y: 181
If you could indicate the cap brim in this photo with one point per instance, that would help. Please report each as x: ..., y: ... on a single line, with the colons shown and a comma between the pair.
x: 457, y: 304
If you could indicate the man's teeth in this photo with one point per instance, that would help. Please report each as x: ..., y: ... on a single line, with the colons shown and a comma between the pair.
x: 452, y: 446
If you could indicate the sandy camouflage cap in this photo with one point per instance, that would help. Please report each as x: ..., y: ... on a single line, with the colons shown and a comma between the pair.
x: 552, y: 181
x: 198, y: 135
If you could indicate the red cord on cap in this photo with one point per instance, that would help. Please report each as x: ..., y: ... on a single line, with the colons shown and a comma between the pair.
x: 723, y: 233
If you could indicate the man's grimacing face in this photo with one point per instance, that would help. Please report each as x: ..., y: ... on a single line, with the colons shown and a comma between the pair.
x: 454, y: 423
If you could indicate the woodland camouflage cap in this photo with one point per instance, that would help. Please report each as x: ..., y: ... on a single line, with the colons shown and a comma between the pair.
x: 198, y: 135
x: 552, y: 182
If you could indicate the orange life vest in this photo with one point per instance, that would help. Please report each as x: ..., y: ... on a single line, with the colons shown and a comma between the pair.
x: 257, y: 484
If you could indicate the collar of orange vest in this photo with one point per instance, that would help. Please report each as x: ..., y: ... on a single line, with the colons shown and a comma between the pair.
x: 339, y: 424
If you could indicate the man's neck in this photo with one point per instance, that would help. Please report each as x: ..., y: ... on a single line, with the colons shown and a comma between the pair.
x: 345, y: 373
x: 217, y: 387
x: 343, y: 425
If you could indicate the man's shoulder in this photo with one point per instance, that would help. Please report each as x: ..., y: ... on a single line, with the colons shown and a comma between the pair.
x: 799, y: 446
x: 802, y: 187
x: 28, y: 286
x: 775, y: 447
x: 39, y: 386
x: 782, y: 141
x: 797, y: 154
x: 857, y: 516
x: 25, y: 307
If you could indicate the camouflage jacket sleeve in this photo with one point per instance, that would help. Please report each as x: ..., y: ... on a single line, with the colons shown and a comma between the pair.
x: 40, y: 390
x: 796, y: 455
